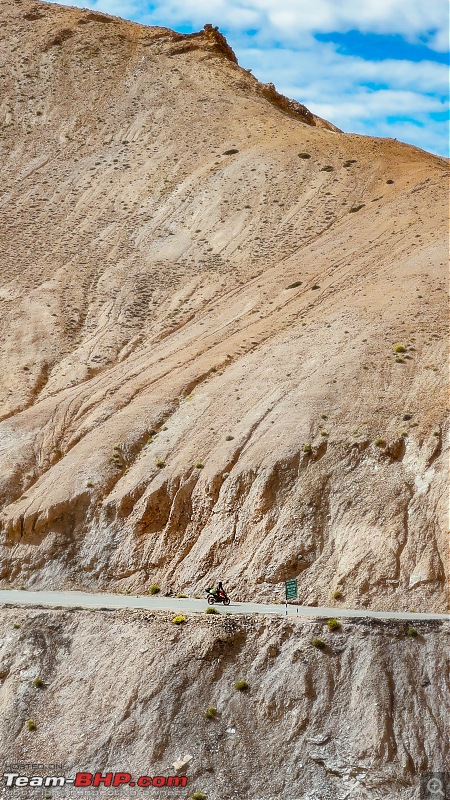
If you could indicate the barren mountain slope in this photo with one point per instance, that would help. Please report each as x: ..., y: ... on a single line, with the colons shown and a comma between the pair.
x: 364, y: 718
x: 202, y: 290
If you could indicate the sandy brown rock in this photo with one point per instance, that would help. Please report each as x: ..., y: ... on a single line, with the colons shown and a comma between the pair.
x: 180, y: 287
x: 124, y: 691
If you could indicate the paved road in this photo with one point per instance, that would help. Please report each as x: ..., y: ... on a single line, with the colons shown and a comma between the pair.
x: 189, y: 604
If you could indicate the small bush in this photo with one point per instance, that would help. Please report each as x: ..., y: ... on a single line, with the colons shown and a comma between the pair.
x: 154, y: 589
x: 230, y: 152
x: 390, y: 181
x: 319, y: 643
x: 294, y: 285
x: 412, y: 631
x: 229, y: 438
x: 38, y: 683
x: 179, y: 619
x: 198, y: 796
x: 211, y: 610
x: 337, y: 594
x: 399, y: 348
x: 242, y: 686
x: 307, y: 448
x: 210, y: 712
x: 316, y: 286
x: 199, y: 465
x: 160, y: 463
x: 328, y: 168
x: 304, y: 155
x: 324, y: 416
x: 354, y: 209
x: 334, y: 624
x: 180, y: 596
x: 16, y: 625
x: 379, y: 442
x: 30, y: 725
x: 324, y: 433
x: 90, y: 485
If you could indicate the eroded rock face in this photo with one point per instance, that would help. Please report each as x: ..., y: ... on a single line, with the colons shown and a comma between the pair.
x: 224, y: 329
x: 130, y: 691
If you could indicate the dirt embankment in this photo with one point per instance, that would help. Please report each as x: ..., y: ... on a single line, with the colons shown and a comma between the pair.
x: 128, y: 692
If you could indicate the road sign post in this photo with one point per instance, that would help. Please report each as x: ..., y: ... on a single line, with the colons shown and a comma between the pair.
x: 291, y: 591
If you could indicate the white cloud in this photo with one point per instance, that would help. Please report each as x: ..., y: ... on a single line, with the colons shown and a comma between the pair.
x: 287, y: 19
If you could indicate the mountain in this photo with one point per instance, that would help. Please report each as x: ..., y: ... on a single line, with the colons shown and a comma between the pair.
x: 224, y: 328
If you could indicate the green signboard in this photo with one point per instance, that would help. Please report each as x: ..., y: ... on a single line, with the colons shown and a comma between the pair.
x: 291, y: 589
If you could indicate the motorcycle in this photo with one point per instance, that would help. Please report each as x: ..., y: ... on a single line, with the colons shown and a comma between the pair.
x: 215, y: 598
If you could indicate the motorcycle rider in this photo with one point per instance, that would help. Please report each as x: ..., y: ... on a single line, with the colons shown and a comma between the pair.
x: 220, y: 591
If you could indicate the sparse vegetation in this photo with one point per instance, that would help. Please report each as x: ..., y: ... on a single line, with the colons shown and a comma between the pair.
x: 334, y: 624
x: 242, y: 686
x: 116, y: 458
x: 154, y: 589
x: 179, y: 619
x: 210, y: 712
x: 318, y: 643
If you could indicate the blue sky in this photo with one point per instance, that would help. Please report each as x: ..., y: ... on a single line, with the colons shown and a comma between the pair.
x: 377, y: 67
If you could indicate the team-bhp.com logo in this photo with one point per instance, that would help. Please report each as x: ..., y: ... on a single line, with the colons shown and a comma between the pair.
x: 94, y: 779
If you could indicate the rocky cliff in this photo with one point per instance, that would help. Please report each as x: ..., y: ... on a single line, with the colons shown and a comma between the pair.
x: 362, y: 718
